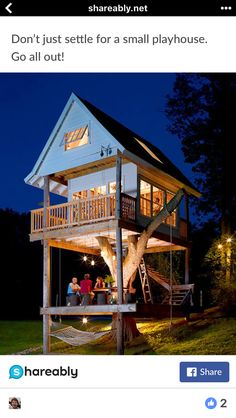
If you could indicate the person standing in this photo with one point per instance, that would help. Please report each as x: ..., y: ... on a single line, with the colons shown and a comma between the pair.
x: 86, y: 290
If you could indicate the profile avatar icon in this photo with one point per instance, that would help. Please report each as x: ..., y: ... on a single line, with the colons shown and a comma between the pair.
x: 14, y: 403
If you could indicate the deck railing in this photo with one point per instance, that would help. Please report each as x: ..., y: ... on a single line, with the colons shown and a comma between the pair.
x: 83, y: 211
x: 79, y: 212
x: 128, y: 207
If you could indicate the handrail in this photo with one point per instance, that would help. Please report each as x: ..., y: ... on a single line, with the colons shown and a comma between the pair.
x: 76, y: 212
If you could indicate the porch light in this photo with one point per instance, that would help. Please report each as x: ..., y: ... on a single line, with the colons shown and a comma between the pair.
x: 105, y: 150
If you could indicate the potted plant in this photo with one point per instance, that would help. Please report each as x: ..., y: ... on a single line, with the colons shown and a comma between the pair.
x: 109, y: 280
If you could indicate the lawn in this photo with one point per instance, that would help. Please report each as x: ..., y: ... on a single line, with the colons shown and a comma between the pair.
x: 208, y: 333
x: 17, y: 336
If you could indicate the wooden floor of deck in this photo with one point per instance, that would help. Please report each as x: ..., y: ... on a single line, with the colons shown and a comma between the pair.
x: 139, y: 310
x: 89, y: 309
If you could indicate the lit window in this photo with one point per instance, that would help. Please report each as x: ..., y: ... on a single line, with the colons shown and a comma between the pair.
x: 76, y: 138
x: 158, y: 199
x: 80, y: 195
x: 152, y: 200
x: 97, y: 191
x: 171, y: 219
x: 145, y: 198
x: 112, y: 187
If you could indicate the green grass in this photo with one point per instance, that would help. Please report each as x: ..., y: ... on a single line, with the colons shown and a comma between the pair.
x: 209, y: 333
x: 17, y: 336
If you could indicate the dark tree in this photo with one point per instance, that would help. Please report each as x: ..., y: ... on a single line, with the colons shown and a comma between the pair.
x: 21, y: 268
x: 202, y: 113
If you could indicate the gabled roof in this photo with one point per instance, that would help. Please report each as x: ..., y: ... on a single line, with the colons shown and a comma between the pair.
x: 133, y: 146
x: 138, y: 145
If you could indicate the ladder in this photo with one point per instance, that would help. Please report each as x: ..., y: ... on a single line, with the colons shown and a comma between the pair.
x: 147, y: 295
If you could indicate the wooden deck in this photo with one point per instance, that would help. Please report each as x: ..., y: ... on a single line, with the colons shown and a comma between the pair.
x: 81, y: 212
x: 89, y: 309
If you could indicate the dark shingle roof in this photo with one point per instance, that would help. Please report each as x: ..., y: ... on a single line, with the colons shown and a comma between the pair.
x: 127, y: 139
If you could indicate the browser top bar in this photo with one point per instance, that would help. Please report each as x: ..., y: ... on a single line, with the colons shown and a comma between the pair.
x: 116, y: 8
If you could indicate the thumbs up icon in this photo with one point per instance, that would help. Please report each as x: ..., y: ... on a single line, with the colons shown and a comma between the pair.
x: 211, y: 403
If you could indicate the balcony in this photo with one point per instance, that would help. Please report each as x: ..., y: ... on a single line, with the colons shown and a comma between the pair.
x: 83, y: 211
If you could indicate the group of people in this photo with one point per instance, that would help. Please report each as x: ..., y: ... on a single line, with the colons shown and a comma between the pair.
x: 82, y: 294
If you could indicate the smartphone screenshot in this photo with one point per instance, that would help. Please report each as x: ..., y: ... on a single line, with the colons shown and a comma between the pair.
x: 117, y: 209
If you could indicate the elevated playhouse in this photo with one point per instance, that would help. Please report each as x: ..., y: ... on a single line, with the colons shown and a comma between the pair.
x: 114, y: 183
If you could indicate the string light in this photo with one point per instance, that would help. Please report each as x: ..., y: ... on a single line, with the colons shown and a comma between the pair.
x: 85, y: 258
x: 113, y: 257
x: 85, y: 320
x: 220, y: 246
x: 92, y: 263
x: 229, y: 240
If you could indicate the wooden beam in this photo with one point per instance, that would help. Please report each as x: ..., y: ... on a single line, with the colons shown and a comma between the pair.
x: 46, y: 201
x: 59, y: 179
x: 46, y: 270
x: 75, y: 231
x: 73, y: 247
x: 88, y: 309
x: 46, y: 296
x: 164, y: 248
x: 131, y: 226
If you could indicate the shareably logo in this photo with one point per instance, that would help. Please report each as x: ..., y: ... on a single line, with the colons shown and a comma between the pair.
x: 16, y: 372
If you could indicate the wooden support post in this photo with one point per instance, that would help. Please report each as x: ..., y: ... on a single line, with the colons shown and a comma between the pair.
x: 46, y: 202
x: 120, y: 328
x: 187, y: 251
x: 46, y: 272
x: 46, y: 296
x: 186, y: 272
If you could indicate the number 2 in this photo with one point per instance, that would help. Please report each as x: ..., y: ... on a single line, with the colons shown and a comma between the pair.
x: 223, y: 403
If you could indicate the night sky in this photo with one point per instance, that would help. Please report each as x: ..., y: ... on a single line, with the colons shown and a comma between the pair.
x: 30, y: 105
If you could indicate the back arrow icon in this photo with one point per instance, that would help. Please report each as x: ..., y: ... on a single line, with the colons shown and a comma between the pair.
x: 8, y: 8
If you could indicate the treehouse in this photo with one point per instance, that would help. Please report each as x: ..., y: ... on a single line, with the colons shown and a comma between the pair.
x: 114, y: 185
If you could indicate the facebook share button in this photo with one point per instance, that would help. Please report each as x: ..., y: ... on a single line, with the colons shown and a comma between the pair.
x: 204, y: 371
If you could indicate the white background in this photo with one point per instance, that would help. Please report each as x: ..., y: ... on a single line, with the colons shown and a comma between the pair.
x: 215, y: 56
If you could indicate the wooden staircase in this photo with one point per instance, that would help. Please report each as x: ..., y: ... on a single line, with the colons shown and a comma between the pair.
x: 178, y: 294
x: 147, y: 295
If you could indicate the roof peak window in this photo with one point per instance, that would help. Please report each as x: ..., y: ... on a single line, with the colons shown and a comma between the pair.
x: 76, y: 138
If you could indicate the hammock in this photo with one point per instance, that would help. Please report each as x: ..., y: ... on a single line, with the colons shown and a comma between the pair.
x: 75, y: 337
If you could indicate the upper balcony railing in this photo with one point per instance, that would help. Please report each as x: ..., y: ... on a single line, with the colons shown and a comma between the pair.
x: 83, y: 211
x: 89, y: 211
